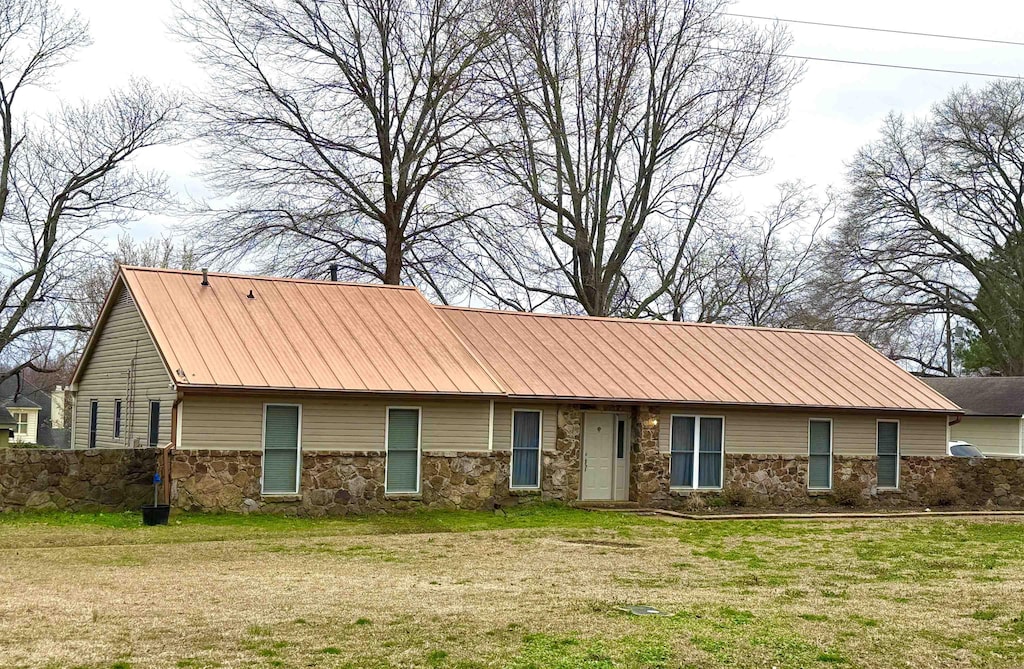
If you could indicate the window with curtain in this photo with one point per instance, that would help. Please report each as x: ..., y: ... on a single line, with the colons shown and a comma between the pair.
x: 888, y: 453
x: 403, y: 451
x: 681, y: 466
x: 819, y: 474
x: 697, y: 445
x: 281, y: 450
x: 709, y: 461
x: 525, y: 449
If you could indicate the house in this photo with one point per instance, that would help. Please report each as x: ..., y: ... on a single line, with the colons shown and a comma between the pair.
x: 38, y: 413
x: 324, y: 397
x: 7, y: 427
x: 994, y: 412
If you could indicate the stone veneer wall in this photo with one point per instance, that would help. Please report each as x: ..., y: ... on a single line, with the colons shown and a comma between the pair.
x: 344, y: 482
x: 769, y: 481
x: 335, y: 483
x: 39, y: 479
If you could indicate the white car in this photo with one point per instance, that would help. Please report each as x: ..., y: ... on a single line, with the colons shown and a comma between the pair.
x: 962, y: 449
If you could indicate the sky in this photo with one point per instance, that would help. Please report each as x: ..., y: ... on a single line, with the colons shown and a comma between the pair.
x: 835, y: 109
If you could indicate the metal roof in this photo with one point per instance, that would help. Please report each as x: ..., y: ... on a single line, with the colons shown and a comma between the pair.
x: 295, y: 334
x: 585, y: 358
x: 984, y: 395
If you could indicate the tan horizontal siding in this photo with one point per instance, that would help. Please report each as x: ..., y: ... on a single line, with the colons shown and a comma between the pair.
x: 330, y: 424
x: 105, y: 378
x: 503, y: 423
x: 785, y: 433
x: 994, y: 435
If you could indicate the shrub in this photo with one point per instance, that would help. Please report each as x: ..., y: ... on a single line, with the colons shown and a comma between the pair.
x: 848, y: 492
x: 942, y: 490
x: 737, y: 495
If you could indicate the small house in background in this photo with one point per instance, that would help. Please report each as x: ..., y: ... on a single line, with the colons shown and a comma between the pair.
x: 38, y: 414
x: 994, y: 405
x: 7, y: 427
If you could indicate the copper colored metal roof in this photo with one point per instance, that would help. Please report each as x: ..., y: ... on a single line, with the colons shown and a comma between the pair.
x: 536, y: 355
x: 295, y: 334
x: 306, y: 335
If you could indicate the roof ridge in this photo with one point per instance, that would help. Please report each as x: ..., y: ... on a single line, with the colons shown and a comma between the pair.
x: 263, y: 277
x: 646, y: 321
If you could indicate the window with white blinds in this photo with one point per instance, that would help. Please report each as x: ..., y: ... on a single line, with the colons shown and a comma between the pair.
x: 281, y: 449
x: 403, y: 451
x: 819, y: 469
x: 888, y: 454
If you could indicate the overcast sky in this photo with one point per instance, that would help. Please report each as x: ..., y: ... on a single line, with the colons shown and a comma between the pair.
x: 834, y: 110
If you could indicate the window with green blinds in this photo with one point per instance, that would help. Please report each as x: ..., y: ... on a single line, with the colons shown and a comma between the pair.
x: 281, y: 450
x: 819, y: 471
x: 403, y: 457
x: 888, y: 454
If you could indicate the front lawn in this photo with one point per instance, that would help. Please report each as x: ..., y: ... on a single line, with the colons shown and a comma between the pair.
x: 538, y: 588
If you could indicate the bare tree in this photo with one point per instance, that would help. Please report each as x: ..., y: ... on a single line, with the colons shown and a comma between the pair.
x: 935, y: 227
x: 97, y: 277
x: 61, y: 180
x: 340, y: 131
x: 755, y: 270
x: 624, y: 119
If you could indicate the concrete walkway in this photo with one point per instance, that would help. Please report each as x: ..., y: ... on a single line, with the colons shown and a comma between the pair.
x: 838, y: 515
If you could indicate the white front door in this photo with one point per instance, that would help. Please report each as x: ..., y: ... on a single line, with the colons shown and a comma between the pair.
x: 598, y: 455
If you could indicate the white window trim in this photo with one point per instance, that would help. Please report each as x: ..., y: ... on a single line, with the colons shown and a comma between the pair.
x: 18, y: 415
x: 899, y: 449
x: 419, y: 448
x: 512, y: 450
x: 149, y: 423
x: 696, y: 452
x: 90, y: 441
x: 118, y: 418
x: 831, y: 451
x: 298, y: 447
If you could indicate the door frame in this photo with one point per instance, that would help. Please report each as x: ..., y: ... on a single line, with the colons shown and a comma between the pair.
x: 615, y: 415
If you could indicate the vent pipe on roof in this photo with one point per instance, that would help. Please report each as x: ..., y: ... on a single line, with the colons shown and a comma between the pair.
x: 334, y: 272
x: 206, y: 279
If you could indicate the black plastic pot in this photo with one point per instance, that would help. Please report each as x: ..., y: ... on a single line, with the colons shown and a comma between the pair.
x: 155, y: 514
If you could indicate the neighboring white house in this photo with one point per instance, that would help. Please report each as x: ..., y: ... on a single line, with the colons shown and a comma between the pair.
x: 38, y: 414
x: 26, y: 416
x: 994, y: 421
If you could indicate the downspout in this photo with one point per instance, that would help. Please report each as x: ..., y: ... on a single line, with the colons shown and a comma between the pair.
x: 165, y: 455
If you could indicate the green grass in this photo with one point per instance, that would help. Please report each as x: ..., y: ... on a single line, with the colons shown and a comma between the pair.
x: 538, y: 586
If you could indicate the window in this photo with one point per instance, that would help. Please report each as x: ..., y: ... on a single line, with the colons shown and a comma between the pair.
x: 525, y: 449
x: 21, y: 417
x: 700, y: 436
x: 819, y: 473
x: 402, y: 466
x: 888, y: 454
x: 154, y: 423
x: 620, y: 439
x: 281, y: 448
x: 117, y: 419
x: 94, y: 414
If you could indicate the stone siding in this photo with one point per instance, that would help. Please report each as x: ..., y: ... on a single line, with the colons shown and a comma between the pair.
x: 562, y: 470
x: 40, y: 479
x: 333, y: 483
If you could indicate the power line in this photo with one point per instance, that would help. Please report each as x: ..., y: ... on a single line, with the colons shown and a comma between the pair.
x: 896, y: 67
x: 876, y: 30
